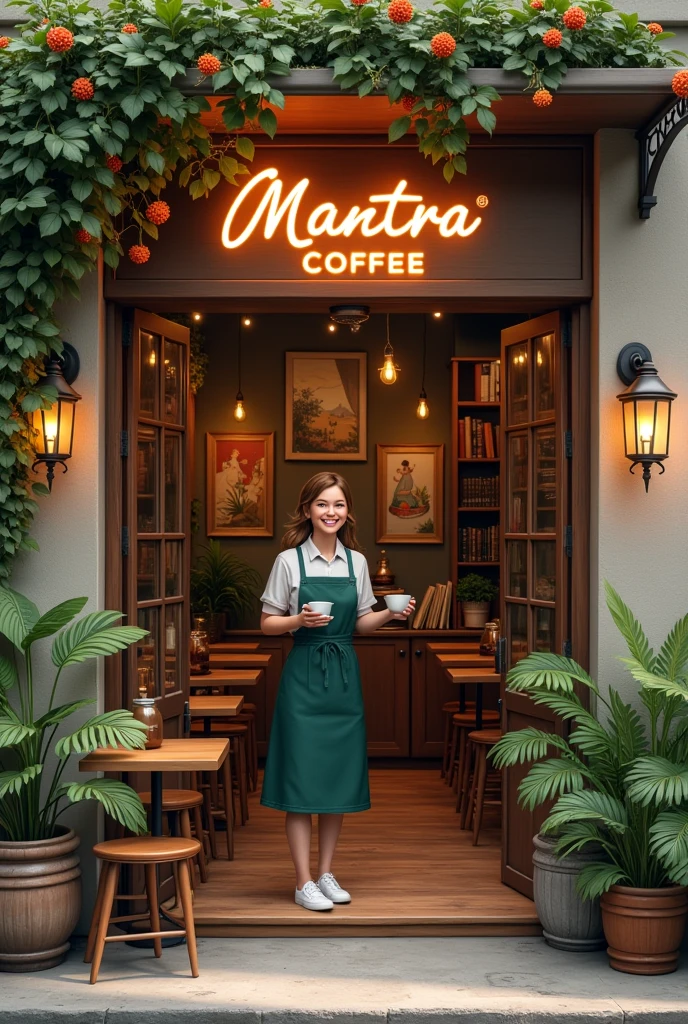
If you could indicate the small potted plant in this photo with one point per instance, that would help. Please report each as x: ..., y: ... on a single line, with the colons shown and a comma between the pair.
x: 475, y: 593
x: 620, y: 786
x: 40, y: 876
x: 222, y: 586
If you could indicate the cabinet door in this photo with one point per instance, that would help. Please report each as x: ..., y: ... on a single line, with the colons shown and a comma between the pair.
x: 385, y: 676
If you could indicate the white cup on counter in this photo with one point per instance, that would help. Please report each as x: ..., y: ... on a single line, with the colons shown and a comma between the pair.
x: 397, y: 602
x: 321, y: 607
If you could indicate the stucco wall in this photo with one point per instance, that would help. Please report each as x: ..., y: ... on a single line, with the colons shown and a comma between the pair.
x: 69, y: 530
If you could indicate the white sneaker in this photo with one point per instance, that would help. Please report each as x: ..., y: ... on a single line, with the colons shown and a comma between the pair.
x: 331, y: 888
x: 312, y: 898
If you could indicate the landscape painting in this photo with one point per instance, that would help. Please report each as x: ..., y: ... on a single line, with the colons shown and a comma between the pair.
x: 326, y: 406
x: 239, y: 485
x: 410, y: 493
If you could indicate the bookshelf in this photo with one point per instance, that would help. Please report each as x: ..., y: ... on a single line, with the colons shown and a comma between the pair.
x: 475, y: 485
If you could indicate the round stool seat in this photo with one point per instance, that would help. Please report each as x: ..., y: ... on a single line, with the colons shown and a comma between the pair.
x: 248, y: 709
x: 147, y: 849
x: 468, y: 717
x: 175, y: 799
x: 452, y: 706
x: 485, y: 737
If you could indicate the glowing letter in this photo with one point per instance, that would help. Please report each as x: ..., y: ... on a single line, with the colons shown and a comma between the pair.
x: 415, y: 263
x: 270, y: 205
x: 329, y: 262
x: 395, y: 263
x: 358, y: 259
x: 392, y: 201
x: 307, y: 263
x: 375, y: 259
x: 459, y: 213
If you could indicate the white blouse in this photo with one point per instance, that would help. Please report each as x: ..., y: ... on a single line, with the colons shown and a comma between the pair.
x: 281, y: 595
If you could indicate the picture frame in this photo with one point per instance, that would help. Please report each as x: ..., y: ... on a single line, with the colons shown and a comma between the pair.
x: 326, y: 406
x: 240, y: 477
x: 410, y: 494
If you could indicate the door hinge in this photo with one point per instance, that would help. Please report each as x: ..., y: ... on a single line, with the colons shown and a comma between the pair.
x: 566, y: 333
x: 124, y: 443
x: 125, y: 540
x: 566, y: 648
x: 568, y: 444
x: 127, y: 333
x: 568, y: 540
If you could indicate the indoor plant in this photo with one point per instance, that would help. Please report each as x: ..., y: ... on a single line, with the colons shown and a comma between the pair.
x: 40, y: 889
x: 621, y: 783
x: 221, y: 584
x: 475, y: 593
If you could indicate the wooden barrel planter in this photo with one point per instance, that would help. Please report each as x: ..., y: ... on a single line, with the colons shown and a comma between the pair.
x: 644, y: 928
x: 568, y: 922
x: 40, y: 901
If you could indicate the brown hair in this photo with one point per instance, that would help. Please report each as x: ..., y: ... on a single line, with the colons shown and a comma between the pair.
x: 299, y: 528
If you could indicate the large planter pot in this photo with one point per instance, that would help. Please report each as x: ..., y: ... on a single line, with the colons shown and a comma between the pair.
x: 40, y: 901
x: 644, y: 928
x: 475, y: 613
x: 568, y: 922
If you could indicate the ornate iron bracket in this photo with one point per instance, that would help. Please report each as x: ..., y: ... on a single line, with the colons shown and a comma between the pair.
x: 655, y: 141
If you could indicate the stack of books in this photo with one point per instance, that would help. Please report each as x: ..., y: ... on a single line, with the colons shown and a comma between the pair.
x: 479, y: 491
x: 479, y: 544
x: 487, y: 382
x: 435, y: 608
x: 478, y: 439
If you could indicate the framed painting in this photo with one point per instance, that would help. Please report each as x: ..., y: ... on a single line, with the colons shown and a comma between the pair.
x: 239, y: 483
x: 326, y: 406
x: 410, y: 493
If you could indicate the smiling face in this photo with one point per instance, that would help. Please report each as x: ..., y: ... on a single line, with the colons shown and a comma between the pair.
x: 329, y: 511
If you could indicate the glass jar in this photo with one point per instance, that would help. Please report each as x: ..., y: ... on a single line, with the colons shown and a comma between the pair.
x: 199, y: 649
x: 146, y: 710
x: 488, y: 641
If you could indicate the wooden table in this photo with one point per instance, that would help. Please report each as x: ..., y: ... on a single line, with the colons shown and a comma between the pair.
x: 234, y: 648
x: 452, y: 647
x: 479, y: 678
x: 222, y: 677
x: 457, y: 660
x: 214, y: 706
x: 185, y: 755
x: 239, y: 660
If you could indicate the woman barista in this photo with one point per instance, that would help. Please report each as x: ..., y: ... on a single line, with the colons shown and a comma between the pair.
x: 317, y: 762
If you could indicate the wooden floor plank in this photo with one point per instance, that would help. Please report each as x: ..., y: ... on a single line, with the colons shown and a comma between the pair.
x: 409, y: 867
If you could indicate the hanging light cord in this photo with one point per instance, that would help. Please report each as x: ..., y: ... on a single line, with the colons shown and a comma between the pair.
x: 389, y: 351
x: 239, y: 358
x: 425, y: 339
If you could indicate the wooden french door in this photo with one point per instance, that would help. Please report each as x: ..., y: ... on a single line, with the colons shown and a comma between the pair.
x: 536, y: 543
x: 156, y: 468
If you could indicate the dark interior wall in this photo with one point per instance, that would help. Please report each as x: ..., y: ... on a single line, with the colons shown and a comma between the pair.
x: 391, y: 419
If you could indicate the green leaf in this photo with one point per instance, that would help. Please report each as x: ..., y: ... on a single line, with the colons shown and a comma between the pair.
x: 81, y: 189
x: 587, y: 805
x: 673, y: 656
x: 669, y: 842
x: 132, y: 105
x: 486, y: 119
x: 597, y: 878
x: 92, y: 636
x: 55, y: 619
x: 525, y: 745
x: 13, y: 731
x: 398, y: 128
x: 8, y: 673
x: 112, y: 729
x: 54, y: 145
x: 49, y: 224
x: 12, y: 782
x: 28, y: 276
x: 18, y: 615
x: 117, y: 799
x: 549, y: 779
x: 655, y: 780
x: 245, y: 147
x: 268, y: 122
x: 58, y: 714
x: 630, y: 628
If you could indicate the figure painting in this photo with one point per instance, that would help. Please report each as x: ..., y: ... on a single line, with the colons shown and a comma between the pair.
x: 239, y: 485
x: 410, y: 494
x: 326, y: 406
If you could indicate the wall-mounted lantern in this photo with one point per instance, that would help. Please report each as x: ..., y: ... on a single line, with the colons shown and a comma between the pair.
x: 54, y: 427
x: 646, y: 405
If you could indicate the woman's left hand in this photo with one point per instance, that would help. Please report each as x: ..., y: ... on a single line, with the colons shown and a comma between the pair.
x: 408, y: 610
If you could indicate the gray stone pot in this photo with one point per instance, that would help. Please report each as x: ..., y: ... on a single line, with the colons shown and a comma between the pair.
x: 568, y: 922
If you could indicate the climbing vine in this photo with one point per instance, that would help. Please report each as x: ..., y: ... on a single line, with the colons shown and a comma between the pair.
x: 94, y: 124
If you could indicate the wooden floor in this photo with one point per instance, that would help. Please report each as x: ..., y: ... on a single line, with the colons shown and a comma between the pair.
x: 409, y: 867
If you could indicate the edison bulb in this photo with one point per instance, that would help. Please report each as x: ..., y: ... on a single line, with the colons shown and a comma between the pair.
x: 152, y: 358
x: 246, y: 321
x: 239, y: 410
x: 196, y: 316
x: 423, y: 410
x: 437, y: 316
x: 331, y: 328
x: 388, y: 373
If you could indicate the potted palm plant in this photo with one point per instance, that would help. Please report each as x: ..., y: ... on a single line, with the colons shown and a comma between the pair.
x: 620, y: 786
x: 222, y: 585
x: 475, y: 593
x: 40, y: 877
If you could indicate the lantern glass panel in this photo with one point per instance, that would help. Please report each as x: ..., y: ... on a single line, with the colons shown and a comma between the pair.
x: 661, y: 438
x: 645, y: 426
x: 54, y: 428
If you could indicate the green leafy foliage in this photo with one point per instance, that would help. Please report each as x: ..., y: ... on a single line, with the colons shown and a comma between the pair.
x: 222, y: 582
x: 474, y: 587
x: 620, y: 782
x: 30, y: 802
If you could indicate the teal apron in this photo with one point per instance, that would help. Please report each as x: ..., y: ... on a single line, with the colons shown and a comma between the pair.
x: 317, y: 759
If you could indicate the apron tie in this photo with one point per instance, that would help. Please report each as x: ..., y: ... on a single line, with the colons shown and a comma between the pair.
x: 328, y: 649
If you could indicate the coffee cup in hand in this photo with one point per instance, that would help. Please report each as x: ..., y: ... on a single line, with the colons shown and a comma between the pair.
x: 321, y: 607
x: 397, y: 602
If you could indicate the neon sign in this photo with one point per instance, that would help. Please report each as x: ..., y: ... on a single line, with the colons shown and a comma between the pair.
x: 261, y: 204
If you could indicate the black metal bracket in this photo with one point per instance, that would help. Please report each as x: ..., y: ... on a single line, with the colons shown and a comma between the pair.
x: 655, y: 140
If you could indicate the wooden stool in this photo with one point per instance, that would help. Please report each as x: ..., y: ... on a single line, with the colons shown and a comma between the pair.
x: 247, y: 716
x: 149, y: 851
x: 482, y: 741
x: 463, y: 722
x: 181, y: 802
x: 450, y: 708
x: 236, y: 733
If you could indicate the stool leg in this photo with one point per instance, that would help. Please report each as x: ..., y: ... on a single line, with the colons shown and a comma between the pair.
x: 481, y: 772
x: 152, y: 894
x: 198, y: 826
x: 447, y: 744
x: 473, y: 790
x: 461, y: 769
x: 229, y: 807
x: 452, y: 755
x: 253, y: 752
x: 109, y: 891
x: 187, y: 906
x: 97, y: 910
x: 243, y: 780
x: 210, y: 818
x: 467, y: 785
x: 185, y: 830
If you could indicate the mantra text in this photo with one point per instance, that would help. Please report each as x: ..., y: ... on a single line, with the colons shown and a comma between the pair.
x: 388, y: 215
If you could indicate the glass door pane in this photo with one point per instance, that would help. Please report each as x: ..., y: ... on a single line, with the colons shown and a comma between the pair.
x: 543, y: 389
x: 545, y: 480
x: 517, y: 384
x: 517, y: 483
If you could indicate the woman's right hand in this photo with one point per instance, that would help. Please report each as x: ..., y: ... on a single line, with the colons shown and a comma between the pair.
x: 311, y: 619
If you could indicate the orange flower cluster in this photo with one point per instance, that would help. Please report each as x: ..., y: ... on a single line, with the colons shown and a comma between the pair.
x: 443, y: 44
x: 59, y: 39
x: 130, y: 29
x: 208, y: 64
x: 542, y: 98
x: 158, y: 212
x: 82, y: 89
x: 552, y: 38
x: 139, y: 254
x: 82, y: 236
x: 679, y: 83
x: 114, y: 163
x: 400, y: 11
x: 575, y: 18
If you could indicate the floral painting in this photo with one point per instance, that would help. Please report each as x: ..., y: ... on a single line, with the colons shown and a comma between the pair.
x: 239, y: 485
x: 326, y: 406
x: 410, y: 494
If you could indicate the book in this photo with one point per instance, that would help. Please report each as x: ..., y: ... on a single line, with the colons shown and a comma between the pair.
x: 477, y: 386
x: 421, y: 615
x: 446, y: 618
x: 462, y: 439
x: 468, y: 432
x: 489, y: 442
x: 438, y: 598
x: 485, y: 382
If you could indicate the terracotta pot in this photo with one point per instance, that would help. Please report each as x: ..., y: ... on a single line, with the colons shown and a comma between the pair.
x: 475, y: 613
x: 644, y: 928
x: 568, y: 922
x: 40, y: 901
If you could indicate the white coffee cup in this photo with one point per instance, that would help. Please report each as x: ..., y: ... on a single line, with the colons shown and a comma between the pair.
x: 321, y: 607
x: 397, y: 602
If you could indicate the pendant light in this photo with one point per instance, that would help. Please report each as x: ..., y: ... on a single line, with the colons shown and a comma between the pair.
x: 389, y: 369
x: 239, y: 410
x: 423, y: 409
